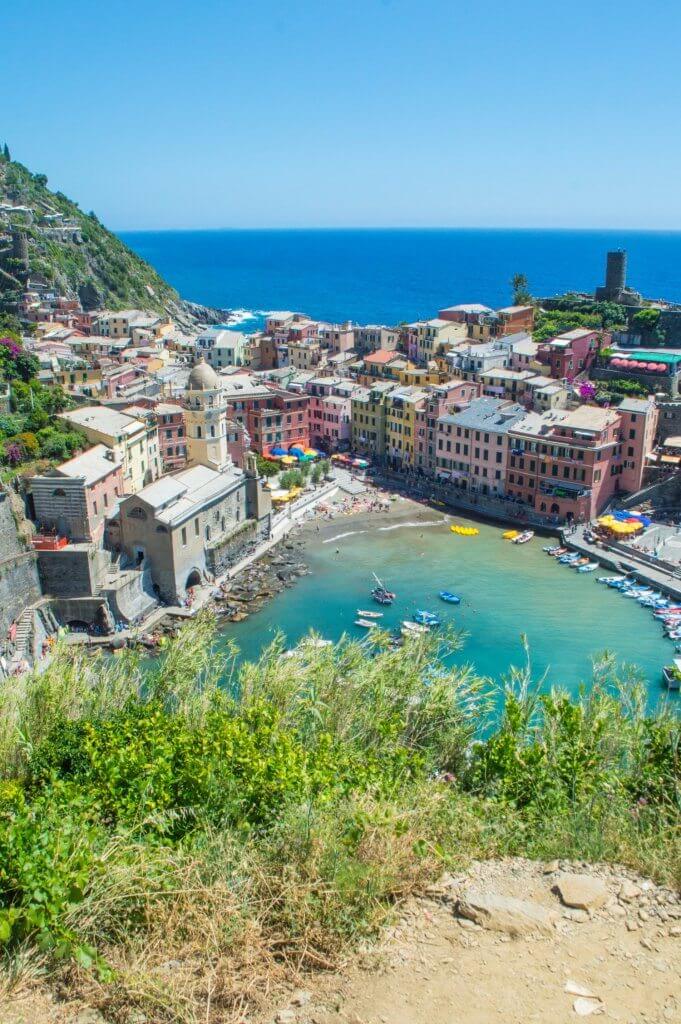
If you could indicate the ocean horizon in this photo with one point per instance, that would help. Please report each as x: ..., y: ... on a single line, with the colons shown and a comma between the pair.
x: 388, y: 275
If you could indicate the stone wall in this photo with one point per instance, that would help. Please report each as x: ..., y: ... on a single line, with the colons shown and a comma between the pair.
x: 19, y: 582
x: 70, y: 572
x: 224, y: 554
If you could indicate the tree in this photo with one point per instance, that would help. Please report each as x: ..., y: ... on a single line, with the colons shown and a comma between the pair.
x: 5, y: 153
x: 317, y: 474
x: 266, y: 467
x: 521, y: 292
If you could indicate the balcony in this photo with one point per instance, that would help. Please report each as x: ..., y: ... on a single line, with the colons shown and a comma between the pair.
x: 567, y: 489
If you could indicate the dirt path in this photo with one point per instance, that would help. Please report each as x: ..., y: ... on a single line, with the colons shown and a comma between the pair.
x: 436, y: 967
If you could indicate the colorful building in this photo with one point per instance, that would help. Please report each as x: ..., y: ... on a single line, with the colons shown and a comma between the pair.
x: 74, y: 499
x: 571, y: 353
x: 134, y: 442
x: 471, y: 445
x: 566, y: 464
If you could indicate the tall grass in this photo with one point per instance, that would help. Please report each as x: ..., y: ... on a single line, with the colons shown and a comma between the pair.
x: 149, y: 815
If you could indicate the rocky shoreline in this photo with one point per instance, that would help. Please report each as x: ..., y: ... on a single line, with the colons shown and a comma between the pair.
x: 277, y: 570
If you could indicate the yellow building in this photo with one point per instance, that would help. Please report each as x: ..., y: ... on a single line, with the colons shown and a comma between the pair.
x: 400, y: 433
x: 87, y: 380
x: 368, y: 418
x: 427, y: 339
x: 134, y: 442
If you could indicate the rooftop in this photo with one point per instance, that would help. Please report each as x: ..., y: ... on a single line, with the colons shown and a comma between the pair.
x: 636, y: 405
x: 177, y: 496
x: 381, y: 357
x: 494, y: 414
x: 104, y: 420
x: 468, y: 307
x: 90, y: 466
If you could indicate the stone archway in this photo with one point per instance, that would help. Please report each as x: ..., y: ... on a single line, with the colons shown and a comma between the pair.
x: 194, y: 579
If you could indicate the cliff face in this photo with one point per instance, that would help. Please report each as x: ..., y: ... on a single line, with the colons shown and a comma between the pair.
x: 45, y: 234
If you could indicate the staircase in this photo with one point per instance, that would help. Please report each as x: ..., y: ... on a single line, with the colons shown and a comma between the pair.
x: 22, y: 639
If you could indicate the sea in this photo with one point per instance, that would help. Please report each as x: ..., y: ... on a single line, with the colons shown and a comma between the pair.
x: 389, y: 276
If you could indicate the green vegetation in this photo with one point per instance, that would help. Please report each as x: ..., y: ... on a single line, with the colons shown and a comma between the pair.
x: 267, y: 467
x: 521, y: 293
x: 647, y: 323
x: 173, y: 820
x: 91, y: 261
x: 30, y: 431
x: 614, y: 390
x: 570, y: 312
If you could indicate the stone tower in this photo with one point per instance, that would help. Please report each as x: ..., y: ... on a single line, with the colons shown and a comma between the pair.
x: 616, y: 271
x: 206, y: 419
x: 615, y: 288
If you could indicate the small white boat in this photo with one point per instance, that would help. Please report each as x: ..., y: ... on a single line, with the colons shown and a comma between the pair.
x: 672, y: 675
x: 364, y: 614
x: 366, y: 623
x: 415, y: 627
x: 590, y: 567
x: 523, y: 537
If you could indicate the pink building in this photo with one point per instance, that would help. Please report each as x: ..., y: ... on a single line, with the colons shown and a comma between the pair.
x: 639, y: 418
x: 471, y: 445
x: 330, y: 412
x: 172, y: 435
x: 441, y: 399
x: 566, y: 464
x: 74, y: 499
x: 571, y: 353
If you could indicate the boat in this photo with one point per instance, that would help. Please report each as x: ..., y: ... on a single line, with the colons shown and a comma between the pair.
x: 569, y: 559
x: 446, y: 595
x: 369, y: 615
x: 367, y: 623
x: 579, y: 562
x: 465, y: 531
x: 524, y: 537
x: 672, y: 675
x: 414, y: 627
x: 611, y: 580
x: 589, y: 567
x: 553, y: 549
x: 425, y: 618
x: 511, y: 534
x: 559, y: 551
x: 381, y: 594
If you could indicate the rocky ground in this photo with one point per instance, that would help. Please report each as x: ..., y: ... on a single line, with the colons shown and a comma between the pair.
x: 513, y: 941
x: 518, y: 942
x: 274, y: 572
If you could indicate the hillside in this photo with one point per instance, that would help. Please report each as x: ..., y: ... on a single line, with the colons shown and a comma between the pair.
x: 73, y: 251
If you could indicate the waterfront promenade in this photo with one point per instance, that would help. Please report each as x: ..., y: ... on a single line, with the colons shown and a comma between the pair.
x: 626, y: 559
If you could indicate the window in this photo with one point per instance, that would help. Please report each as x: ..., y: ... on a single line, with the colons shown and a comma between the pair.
x: 184, y: 536
x: 196, y: 526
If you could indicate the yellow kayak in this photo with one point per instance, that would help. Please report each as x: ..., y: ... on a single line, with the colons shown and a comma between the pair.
x: 511, y: 534
x: 465, y: 531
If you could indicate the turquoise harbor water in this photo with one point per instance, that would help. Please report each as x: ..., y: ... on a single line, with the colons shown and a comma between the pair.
x: 507, y: 590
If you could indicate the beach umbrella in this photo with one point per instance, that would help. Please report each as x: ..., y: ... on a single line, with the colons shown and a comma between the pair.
x: 312, y: 451
x: 278, y: 451
x: 288, y: 460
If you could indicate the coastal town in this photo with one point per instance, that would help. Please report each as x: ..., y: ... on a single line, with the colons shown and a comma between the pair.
x: 199, y: 448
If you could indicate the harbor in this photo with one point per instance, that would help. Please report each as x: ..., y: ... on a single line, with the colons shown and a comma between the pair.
x: 509, y: 595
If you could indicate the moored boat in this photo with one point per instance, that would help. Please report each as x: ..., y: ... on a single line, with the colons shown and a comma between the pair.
x: 524, y: 537
x: 364, y: 614
x: 446, y: 595
x: 367, y: 623
x: 671, y: 675
x: 589, y: 567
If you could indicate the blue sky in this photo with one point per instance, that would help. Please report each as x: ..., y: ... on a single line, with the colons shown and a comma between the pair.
x: 350, y: 112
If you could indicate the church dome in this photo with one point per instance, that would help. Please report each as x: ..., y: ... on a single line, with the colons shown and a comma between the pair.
x: 203, y: 377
